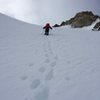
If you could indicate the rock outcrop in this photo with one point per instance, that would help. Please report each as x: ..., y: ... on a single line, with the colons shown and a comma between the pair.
x: 56, y: 25
x: 96, y: 27
x: 81, y: 19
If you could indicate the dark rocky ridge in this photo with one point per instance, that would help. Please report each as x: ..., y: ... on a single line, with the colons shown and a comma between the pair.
x: 81, y: 19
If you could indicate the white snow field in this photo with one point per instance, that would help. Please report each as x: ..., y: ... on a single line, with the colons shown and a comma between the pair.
x: 62, y: 66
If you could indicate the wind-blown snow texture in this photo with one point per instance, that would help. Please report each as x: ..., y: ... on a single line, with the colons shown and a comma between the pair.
x: 62, y: 66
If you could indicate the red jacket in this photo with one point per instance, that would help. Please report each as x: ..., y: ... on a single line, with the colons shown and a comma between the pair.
x: 47, y: 26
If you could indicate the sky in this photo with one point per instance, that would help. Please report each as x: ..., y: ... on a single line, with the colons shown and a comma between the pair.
x: 42, y: 11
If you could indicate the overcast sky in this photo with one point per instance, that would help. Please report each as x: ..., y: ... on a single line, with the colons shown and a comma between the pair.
x: 42, y: 11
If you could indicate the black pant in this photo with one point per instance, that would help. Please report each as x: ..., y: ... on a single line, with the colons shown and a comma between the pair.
x: 47, y: 31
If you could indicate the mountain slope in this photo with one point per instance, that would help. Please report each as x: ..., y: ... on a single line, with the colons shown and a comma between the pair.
x: 64, y: 65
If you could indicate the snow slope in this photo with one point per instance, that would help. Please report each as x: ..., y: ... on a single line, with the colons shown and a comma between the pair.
x: 62, y: 66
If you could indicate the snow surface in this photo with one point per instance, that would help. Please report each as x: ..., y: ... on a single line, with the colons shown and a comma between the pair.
x: 62, y: 66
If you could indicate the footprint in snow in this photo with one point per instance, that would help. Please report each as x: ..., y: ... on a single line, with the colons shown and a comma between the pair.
x: 42, y: 69
x: 79, y: 63
x: 30, y: 65
x: 46, y: 55
x: 35, y: 84
x: 67, y: 78
x: 47, y: 60
x: 53, y: 64
x: 49, y: 76
x: 26, y: 98
x: 24, y: 77
x: 56, y: 57
x: 69, y: 62
x: 43, y: 94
